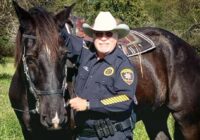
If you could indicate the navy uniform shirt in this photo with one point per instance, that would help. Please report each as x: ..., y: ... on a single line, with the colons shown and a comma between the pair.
x: 108, y: 84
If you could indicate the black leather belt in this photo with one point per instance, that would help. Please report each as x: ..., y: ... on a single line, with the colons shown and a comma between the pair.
x: 92, y: 132
x: 87, y: 133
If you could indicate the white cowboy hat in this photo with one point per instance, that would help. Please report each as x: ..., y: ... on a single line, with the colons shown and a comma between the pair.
x: 106, y: 22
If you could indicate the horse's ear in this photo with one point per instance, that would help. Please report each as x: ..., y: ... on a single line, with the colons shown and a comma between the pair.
x: 63, y: 15
x: 25, y: 19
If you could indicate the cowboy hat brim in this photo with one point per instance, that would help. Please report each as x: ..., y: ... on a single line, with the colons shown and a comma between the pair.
x: 121, y: 29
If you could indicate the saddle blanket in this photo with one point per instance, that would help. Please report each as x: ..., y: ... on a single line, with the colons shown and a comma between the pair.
x: 136, y: 43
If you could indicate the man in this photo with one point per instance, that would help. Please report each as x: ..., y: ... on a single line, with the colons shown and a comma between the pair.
x: 105, y: 84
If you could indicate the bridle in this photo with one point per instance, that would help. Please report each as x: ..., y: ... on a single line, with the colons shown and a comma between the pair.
x: 30, y: 85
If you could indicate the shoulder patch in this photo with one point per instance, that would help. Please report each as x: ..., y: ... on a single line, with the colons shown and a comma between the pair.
x: 127, y: 75
x: 108, y: 71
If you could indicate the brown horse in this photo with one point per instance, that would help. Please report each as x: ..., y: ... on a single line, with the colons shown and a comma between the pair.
x: 37, y: 88
x: 168, y: 83
x: 168, y: 80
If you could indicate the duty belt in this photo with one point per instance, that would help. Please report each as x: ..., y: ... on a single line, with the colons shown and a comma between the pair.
x: 105, y: 128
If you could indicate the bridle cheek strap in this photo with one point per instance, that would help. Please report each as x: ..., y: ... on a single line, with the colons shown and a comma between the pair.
x: 31, y: 87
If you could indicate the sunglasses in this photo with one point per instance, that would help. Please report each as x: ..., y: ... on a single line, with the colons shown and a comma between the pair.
x: 101, y: 34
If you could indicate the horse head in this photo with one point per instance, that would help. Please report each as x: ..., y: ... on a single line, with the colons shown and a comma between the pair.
x: 41, y: 65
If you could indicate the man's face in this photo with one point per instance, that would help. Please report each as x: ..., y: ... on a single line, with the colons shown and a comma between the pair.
x: 105, y: 42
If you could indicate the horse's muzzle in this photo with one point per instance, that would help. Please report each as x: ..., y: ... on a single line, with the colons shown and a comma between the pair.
x: 55, y: 123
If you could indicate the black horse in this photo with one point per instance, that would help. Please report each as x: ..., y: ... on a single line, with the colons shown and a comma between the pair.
x: 169, y: 77
x: 37, y: 88
x: 168, y: 82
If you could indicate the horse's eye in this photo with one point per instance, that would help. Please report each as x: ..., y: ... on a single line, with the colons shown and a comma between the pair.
x: 32, y: 75
x: 29, y: 43
x: 32, y: 68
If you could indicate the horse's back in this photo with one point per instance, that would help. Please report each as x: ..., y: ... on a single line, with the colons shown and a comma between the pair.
x: 173, y: 61
x: 171, y: 77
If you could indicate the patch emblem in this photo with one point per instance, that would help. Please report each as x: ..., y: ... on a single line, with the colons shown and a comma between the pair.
x: 108, y: 71
x: 127, y: 76
x: 114, y: 100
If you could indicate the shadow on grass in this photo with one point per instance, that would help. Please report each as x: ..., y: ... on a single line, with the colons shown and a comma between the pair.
x: 5, y: 76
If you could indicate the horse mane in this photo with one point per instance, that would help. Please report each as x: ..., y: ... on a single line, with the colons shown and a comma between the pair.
x: 46, y: 33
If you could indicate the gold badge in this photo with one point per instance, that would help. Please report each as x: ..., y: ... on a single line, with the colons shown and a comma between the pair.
x: 127, y: 76
x: 108, y: 71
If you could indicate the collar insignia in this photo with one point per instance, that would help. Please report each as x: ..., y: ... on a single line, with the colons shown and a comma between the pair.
x: 86, y: 68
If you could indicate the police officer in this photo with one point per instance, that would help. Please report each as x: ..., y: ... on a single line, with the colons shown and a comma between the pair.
x: 106, y: 81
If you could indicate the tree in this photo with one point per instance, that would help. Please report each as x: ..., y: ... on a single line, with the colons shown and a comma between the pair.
x: 177, y: 16
x: 131, y: 12
x: 6, y: 24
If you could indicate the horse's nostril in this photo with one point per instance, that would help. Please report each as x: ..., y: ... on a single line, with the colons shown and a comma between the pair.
x: 44, y: 120
x: 44, y: 117
x: 65, y: 119
x: 63, y: 122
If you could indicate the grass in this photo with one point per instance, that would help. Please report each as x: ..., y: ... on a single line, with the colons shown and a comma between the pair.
x: 9, y: 126
x: 140, y: 133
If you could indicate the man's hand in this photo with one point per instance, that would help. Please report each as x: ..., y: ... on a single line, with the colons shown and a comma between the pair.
x: 78, y: 104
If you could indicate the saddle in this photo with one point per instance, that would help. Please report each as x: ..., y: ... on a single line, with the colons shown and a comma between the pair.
x: 135, y: 43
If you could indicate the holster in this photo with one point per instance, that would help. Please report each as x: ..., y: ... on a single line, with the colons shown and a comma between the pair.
x: 104, y: 128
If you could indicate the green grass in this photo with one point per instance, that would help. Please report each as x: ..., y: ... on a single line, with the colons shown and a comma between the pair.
x: 140, y: 133
x: 9, y: 126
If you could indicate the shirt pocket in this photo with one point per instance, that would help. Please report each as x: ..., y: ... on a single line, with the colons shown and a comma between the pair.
x: 81, y: 78
x: 106, y: 87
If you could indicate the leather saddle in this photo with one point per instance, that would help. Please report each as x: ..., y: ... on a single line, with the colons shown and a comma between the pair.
x: 136, y: 43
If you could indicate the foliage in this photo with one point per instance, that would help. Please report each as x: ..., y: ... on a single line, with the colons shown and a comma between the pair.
x: 6, y: 48
x: 177, y: 16
x: 5, y: 17
x: 6, y: 26
x: 131, y: 12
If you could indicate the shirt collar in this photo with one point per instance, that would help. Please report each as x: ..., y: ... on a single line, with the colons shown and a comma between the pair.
x: 110, y: 58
